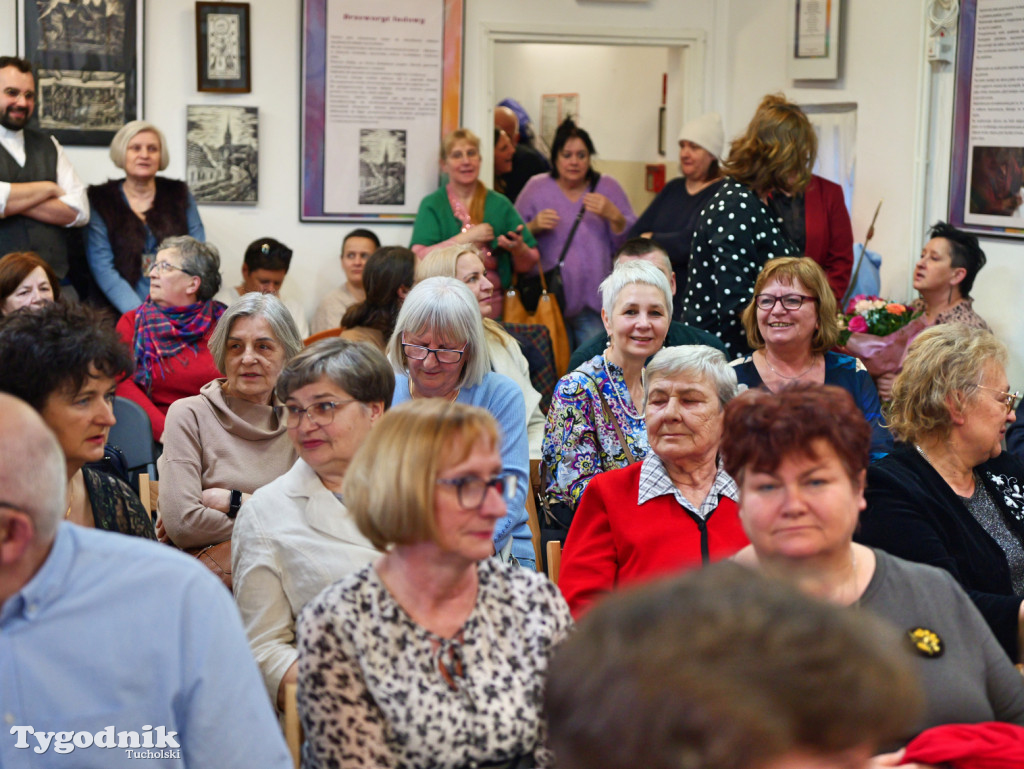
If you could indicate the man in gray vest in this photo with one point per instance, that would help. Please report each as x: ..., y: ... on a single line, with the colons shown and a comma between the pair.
x: 40, y: 193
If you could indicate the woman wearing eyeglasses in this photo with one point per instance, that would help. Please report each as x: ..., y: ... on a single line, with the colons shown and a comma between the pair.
x: 169, y: 332
x: 294, y: 536
x: 227, y: 441
x: 791, y: 326
x: 436, y: 654
x: 439, y: 349
x: 948, y: 495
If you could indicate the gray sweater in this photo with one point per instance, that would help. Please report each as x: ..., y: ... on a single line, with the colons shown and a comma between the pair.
x: 973, y: 680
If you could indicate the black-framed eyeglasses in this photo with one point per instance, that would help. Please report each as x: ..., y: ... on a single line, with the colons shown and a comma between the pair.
x: 789, y: 301
x: 471, y: 489
x: 443, y: 355
x: 1010, y: 399
x: 320, y: 414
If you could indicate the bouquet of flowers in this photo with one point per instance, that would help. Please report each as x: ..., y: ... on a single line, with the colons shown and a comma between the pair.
x: 878, y: 332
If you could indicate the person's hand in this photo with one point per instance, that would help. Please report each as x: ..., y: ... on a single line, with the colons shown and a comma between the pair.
x: 218, y: 499
x: 479, y: 233
x: 893, y: 759
x: 884, y: 385
x: 161, y: 532
x: 646, y: 234
x: 546, y: 219
x: 512, y: 241
x: 597, y: 203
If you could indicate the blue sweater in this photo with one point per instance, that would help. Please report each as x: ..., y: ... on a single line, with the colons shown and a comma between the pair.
x: 503, y: 398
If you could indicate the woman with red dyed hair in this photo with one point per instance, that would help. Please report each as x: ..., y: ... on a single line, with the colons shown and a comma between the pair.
x: 800, y: 458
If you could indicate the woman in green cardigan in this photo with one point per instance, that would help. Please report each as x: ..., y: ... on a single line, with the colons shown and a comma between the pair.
x: 465, y: 211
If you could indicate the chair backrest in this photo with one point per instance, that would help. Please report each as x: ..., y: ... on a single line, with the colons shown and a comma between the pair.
x: 133, y: 435
x: 326, y: 334
x: 292, y: 725
x: 149, y: 492
x: 554, y: 559
x: 531, y: 510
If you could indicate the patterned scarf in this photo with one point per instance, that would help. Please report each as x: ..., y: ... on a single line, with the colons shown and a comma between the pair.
x: 163, y: 332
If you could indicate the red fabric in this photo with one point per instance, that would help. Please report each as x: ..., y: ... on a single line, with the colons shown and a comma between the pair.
x: 828, y: 231
x: 988, y: 745
x: 613, y: 543
x: 183, y: 375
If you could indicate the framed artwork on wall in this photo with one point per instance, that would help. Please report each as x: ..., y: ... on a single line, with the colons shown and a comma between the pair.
x: 815, y: 38
x: 87, y: 59
x: 222, y: 48
x: 222, y: 163
x: 381, y: 85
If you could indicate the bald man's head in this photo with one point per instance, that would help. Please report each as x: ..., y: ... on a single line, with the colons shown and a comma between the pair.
x: 507, y: 121
x: 33, y: 471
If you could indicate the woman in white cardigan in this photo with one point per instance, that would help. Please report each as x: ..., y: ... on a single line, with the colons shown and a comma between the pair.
x: 294, y: 537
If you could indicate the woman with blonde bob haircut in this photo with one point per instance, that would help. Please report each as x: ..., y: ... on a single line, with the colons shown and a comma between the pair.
x: 465, y: 211
x: 465, y: 263
x: 948, y: 495
x: 132, y: 216
x: 435, y: 637
x: 439, y: 350
x: 791, y: 324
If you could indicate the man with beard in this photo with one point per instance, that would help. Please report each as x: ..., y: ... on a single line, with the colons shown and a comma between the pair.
x: 40, y: 193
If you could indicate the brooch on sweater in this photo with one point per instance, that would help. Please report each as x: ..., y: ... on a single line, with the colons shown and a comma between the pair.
x: 1013, y: 493
x: 925, y: 642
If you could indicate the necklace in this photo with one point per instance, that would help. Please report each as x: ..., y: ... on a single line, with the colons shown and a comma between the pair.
x: 780, y: 375
x: 71, y: 501
x: 451, y: 397
x: 630, y: 410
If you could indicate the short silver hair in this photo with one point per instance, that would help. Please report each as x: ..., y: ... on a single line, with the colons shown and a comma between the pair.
x: 358, y: 368
x: 446, y: 307
x: 630, y: 273
x: 199, y: 259
x: 697, y: 360
x: 127, y: 132
x: 255, y: 304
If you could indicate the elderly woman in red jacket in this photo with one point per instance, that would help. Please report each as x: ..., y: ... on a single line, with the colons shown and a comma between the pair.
x: 675, y: 509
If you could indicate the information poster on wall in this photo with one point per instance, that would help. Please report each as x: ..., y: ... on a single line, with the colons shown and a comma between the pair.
x: 377, y: 83
x: 988, y: 133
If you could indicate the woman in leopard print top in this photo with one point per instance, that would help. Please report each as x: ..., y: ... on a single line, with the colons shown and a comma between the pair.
x: 435, y: 655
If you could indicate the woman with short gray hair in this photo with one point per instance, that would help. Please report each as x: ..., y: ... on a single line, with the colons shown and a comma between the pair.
x: 295, y: 536
x: 131, y: 216
x: 675, y: 510
x: 227, y: 441
x: 596, y: 420
x: 169, y: 333
x: 439, y: 350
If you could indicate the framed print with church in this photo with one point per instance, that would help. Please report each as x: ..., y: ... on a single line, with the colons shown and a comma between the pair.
x: 222, y: 157
x: 87, y: 58
x: 381, y: 84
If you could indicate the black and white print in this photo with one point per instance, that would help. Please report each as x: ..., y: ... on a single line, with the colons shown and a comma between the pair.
x: 223, y: 154
x: 382, y: 164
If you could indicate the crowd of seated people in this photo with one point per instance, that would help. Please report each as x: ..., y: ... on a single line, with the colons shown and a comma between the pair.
x: 374, y: 481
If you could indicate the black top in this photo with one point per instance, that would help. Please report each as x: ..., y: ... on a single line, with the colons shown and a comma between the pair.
x: 115, y: 506
x: 526, y: 162
x: 913, y: 513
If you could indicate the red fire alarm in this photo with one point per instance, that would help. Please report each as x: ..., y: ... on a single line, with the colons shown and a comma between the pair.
x: 654, y: 178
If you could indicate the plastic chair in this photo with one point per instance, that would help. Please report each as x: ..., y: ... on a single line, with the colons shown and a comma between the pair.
x: 133, y: 435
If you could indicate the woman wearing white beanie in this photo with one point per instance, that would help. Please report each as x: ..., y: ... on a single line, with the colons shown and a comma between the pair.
x: 671, y: 216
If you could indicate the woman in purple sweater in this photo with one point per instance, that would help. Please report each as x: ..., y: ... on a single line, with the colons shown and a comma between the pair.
x: 550, y: 203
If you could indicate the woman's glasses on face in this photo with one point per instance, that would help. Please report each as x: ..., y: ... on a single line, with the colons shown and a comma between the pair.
x: 320, y: 414
x: 1010, y: 399
x: 419, y: 352
x: 789, y: 301
x: 471, y: 490
x: 149, y: 263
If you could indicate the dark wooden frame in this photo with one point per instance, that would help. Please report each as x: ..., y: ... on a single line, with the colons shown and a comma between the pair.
x: 204, y: 82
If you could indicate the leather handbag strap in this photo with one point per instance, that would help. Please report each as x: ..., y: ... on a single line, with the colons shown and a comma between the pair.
x: 576, y: 222
x: 610, y: 417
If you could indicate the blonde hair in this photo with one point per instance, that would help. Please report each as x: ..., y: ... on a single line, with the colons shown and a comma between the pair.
x: 943, y: 368
x: 389, y: 485
x: 444, y: 263
x: 476, y: 203
x: 127, y: 132
x: 790, y: 270
x: 777, y: 151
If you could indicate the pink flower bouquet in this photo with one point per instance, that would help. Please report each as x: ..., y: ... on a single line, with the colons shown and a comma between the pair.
x: 878, y: 332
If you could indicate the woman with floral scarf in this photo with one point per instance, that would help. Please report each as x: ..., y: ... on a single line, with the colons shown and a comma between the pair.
x: 168, y: 333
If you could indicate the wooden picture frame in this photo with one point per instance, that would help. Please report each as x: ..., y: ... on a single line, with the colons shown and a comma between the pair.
x: 222, y: 48
x: 87, y: 61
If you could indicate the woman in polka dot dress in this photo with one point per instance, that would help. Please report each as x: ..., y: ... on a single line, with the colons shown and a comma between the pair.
x: 737, y: 233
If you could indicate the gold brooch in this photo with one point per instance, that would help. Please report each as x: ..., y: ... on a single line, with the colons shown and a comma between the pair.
x: 926, y: 642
